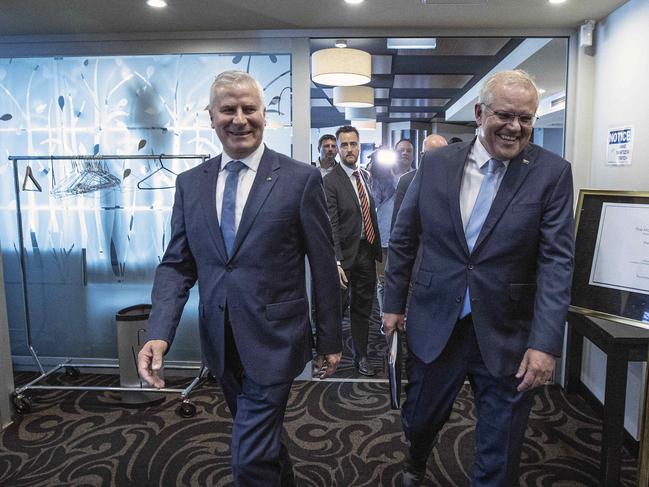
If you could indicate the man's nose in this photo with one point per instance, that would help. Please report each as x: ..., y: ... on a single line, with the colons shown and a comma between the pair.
x: 239, y: 117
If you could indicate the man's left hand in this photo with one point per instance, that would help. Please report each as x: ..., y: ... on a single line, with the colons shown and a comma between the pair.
x: 536, y: 369
x: 327, y: 364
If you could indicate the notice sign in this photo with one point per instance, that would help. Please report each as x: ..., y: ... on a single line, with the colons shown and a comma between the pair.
x: 619, y: 147
x: 621, y: 259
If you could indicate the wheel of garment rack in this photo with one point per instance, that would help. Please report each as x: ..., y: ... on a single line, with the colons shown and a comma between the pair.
x: 186, y: 409
x: 22, y: 404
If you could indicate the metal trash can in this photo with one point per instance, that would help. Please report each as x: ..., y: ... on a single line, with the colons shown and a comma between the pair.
x: 131, y: 331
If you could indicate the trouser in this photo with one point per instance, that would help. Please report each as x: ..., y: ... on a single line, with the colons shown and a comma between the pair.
x: 360, y: 292
x: 502, y: 411
x: 380, y: 278
x: 259, y: 455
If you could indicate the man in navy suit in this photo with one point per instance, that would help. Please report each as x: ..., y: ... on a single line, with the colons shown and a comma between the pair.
x: 242, y: 224
x: 493, y: 220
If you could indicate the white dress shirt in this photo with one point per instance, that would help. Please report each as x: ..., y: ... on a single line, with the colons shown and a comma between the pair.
x: 475, y: 169
x: 246, y: 178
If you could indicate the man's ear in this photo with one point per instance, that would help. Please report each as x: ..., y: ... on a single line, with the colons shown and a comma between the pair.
x: 477, y: 109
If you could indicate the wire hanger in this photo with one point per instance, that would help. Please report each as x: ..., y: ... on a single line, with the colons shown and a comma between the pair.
x: 162, y: 168
x: 29, y: 182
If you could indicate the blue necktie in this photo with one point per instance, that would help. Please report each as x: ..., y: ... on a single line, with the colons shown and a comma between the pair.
x: 479, y: 215
x: 228, y: 224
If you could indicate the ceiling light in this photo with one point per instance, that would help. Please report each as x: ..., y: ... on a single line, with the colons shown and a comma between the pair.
x: 156, y: 3
x: 358, y: 114
x: 541, y: 91
x: 412, y: 43
x: 341, y: 67
x: 340, y: 43
x: 354, y: 2
x: 556, y: 1
x: 364, y: 124
x: 353, y: 96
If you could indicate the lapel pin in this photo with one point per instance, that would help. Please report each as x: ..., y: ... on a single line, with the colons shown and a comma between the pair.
x: 269, y: 178
x: 525, y: 161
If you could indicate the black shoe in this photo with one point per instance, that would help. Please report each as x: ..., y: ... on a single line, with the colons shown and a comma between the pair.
x: 364, y: 367
x: 413, y: 477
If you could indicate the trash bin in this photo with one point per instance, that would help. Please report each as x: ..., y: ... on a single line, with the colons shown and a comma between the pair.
x: 131, y: 331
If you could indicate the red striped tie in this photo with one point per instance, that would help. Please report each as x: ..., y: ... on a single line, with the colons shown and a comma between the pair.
x: 365, y: 209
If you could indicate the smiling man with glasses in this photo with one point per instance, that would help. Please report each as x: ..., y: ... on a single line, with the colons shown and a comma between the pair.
x: 484, y: 237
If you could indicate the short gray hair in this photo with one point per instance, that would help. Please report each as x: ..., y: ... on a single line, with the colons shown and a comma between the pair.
x: 234, y: 77
x: 516, y: 77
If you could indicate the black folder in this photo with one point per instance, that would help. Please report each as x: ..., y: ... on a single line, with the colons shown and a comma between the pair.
x: 394, y: 369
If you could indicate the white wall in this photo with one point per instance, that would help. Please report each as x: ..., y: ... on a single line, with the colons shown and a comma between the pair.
x: 621, y: 76
x: 621, y: 81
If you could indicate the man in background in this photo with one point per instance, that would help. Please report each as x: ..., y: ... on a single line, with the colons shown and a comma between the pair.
x: 431, y: 143
x: 492, y: 220
x: 241, y: 226
x: 357, y: 241
x: 328, y: 150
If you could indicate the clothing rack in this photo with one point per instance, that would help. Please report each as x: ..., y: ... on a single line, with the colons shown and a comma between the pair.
x: 20, y: 400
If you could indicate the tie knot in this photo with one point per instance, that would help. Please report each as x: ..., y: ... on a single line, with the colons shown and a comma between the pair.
x: 356, y: 174
x: 234, y: 166
x: 493, y: 165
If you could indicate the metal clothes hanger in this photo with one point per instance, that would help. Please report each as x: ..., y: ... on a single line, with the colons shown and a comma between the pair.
x: 162, y: 168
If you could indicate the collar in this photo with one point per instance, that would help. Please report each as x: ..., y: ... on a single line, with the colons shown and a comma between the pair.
x: 482, y: 156
x: 348, y: 170
x: 251, y: 162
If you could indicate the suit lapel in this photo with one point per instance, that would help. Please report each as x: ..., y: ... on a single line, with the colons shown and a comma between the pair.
x: 518, y: 169
x: 208, y: 202
x: 267, y: 174
x: 347, y: 186
x: 454, y: 175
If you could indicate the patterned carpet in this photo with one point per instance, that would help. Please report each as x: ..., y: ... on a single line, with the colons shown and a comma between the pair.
x: 340, y: 434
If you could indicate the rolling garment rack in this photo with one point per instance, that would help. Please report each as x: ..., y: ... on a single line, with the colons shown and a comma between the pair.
x: 92, y: 176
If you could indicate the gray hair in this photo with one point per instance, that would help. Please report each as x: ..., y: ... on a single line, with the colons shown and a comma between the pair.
x: 516, y: 77
x: 234, y: 77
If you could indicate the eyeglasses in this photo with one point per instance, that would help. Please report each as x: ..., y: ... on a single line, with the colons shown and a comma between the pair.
x: 508, y: 117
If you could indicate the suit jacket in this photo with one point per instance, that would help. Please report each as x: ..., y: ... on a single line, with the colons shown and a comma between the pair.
x: 262, y: 284
x: 519, y: 272
x: 400, y: 192
x: 346, y: 217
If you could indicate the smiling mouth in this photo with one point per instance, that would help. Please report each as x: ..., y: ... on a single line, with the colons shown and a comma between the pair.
x: 508, y: 138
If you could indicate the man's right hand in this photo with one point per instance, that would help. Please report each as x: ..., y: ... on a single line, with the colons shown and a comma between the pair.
x: 343, y: 277
x: 391, y: 322
x: 149, y: 362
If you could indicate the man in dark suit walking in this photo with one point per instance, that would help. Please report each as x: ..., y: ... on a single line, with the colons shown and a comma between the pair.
x: 493, y: 221
x: 356, y: 239
x: 242, y: 224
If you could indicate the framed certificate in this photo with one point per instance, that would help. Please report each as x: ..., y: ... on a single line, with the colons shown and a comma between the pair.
x: 611, y: 276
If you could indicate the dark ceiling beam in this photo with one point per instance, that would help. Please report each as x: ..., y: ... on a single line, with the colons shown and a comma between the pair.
x: 440, y: 64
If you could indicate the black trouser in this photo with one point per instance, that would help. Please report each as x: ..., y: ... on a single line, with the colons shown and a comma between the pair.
x: 359, y: 295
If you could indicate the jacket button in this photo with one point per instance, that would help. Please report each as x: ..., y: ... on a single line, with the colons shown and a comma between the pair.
x: 228, y: 268
x: 458, y: 299
x: 221, y: 307
x: 470, y: 267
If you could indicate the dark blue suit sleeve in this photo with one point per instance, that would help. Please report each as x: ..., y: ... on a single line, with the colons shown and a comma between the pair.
x: 316, y: 231
x: 404, y: 242
x: 554, y: 268
x: 174, y: 277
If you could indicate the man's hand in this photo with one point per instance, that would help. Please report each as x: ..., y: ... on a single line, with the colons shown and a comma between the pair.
x: 343, y: 278
x: 149, y: 362
x: 536, y: 369
x: 327, y: 364
x: 393, y: 322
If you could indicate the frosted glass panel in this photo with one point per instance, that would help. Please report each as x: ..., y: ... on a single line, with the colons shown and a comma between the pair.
x: 96, y: 229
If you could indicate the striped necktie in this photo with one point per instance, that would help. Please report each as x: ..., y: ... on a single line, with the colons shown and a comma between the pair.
x: 365, y: 209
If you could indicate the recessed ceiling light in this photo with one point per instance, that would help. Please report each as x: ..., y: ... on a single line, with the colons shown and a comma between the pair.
x: 556, y: 1
x: 354, y: 2
x: 156, y: 3
x: 340, y: 43
x: 412, y: 43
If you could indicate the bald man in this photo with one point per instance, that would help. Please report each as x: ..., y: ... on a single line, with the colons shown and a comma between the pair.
x: 431, y: 143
